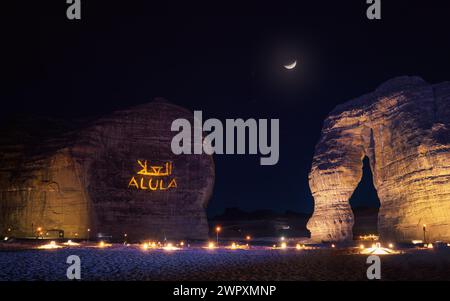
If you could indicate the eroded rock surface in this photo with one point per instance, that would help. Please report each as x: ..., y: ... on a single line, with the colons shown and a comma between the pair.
x: 403, y: 127
x: 115, y: 175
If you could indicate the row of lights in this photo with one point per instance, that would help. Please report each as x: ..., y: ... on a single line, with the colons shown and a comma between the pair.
x: 171, y: 247
x: 211, y: 245
x: 53, y: 245
x: 219, y: 229
x: 40, y: 232
x: 374, y: 249
x: 157, y: 245
x: 361, y: 246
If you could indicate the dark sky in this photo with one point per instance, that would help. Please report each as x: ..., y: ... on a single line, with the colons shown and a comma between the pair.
x: 226, y: 61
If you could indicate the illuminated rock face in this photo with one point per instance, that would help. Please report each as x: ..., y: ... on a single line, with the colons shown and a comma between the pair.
x: 403, y: 127
x: 115, y: 176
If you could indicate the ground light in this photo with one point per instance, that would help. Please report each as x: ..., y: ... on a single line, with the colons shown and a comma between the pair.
x: 49, y: 246
x: 211, y: 245
x: 102, y: 245
x: 282, y: 245
x: 377, y: 249
x: 149, y: 245
x: 71, y: 243
x: 235, y: 246
x: 300, y: 246
x: 170, y: 247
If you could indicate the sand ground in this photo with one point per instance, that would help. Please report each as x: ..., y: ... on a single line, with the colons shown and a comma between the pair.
x: 132, y: 263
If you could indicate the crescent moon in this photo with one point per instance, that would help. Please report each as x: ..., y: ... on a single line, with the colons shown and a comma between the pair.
x: 291, y: 66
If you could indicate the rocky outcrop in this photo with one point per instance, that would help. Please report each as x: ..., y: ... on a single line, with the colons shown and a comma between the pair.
x: 114, y: 175
x: 403, y: 127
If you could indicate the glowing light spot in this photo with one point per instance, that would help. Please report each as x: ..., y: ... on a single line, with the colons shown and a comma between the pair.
x: 71, y: 243
x: 376, y: 249
x: 211, y: 245
x: 102, y: 244
x: 51, y: 245
x: 170, y: 247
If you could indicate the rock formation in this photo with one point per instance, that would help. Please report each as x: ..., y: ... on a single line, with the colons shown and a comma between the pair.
x: 115, y: 175
x: 403, y: 127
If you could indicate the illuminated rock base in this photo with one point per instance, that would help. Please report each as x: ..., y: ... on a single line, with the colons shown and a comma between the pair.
x: 81, y: 181
x: 403, y: 127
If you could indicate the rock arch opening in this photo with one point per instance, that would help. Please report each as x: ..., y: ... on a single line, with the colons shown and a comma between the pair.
x: 365, y: 204
x: 399, y: 128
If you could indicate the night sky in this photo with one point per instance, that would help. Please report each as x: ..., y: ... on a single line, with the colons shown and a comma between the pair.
x: 226, y: 61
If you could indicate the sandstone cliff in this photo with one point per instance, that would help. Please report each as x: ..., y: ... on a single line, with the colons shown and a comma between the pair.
x: 115, y: 175
x: 403, y: 127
